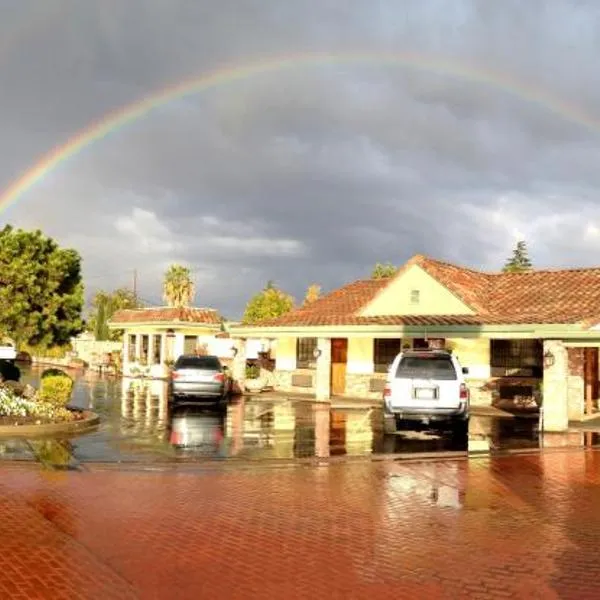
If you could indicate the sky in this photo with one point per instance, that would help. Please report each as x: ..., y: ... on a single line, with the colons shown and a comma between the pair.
x: 315, y: 171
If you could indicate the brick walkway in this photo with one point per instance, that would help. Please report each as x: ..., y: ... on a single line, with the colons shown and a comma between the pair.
x: 520, y: 527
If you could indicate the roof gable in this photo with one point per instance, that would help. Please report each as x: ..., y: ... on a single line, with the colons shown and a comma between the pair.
x: 466, y: 297
x: 434, y: 298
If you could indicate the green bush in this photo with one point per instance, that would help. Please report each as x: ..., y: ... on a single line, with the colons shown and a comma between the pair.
x: 56, y: 389
x: 54, y: 372
x: 252, y: 372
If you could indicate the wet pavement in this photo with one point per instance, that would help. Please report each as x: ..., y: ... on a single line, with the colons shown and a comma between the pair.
x: 139, y: 425
x: 520, y: 526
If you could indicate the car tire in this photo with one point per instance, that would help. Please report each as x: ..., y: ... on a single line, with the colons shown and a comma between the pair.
x: 460, y: 429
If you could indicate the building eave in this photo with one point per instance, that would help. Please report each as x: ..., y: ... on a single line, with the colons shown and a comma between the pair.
x: 550, y: 331
x: 164, y: 325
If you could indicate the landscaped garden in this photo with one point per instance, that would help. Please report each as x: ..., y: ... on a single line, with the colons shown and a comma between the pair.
x: 22, y: 404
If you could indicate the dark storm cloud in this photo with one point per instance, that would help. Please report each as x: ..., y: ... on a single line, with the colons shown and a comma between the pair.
x: 315, y: 172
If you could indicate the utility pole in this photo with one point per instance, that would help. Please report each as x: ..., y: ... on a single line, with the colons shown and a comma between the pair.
x: 135, y: 295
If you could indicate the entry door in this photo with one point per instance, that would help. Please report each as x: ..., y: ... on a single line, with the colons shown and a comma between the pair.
x: 591, y: 379
x: 339, y: 359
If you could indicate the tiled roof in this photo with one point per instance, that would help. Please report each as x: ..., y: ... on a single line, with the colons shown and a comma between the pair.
x: 335, y: 308
x: 207, y: 316
x: 568, y: 296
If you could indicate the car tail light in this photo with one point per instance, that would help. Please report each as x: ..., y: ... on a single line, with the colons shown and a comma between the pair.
x: 387, y: 391
x: 464, y: 391
x: 219, y: 377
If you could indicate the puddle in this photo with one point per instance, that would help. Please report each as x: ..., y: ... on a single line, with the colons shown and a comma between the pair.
x: 139, y: 425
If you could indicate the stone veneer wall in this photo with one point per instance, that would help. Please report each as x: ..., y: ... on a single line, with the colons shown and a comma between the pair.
x: 575, y: 383
x: 358, y: 385
x: 283, y: 381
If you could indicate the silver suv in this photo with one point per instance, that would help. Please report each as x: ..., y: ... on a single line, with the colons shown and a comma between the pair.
x: 426, y: 386
x: 202, y: 378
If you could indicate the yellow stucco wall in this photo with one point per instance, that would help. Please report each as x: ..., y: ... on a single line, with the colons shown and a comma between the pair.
x: 360, y: 355
x: 470, y: 350
x: 434, y: 298
x: 285, y: 358
x: 360, y: 349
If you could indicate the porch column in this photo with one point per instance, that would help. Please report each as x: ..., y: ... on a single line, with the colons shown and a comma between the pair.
x: 323, y: 371
x: 178, y: 345
x: 125, y: 350
x: 163, y: 348
x: 238, y: 367
x: 555, y: 391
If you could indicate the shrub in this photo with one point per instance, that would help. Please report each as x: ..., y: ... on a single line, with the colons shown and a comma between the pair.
x: 53, y: 372
x: 12, y: 405
x: 56, y: 389
x: 252, y: 372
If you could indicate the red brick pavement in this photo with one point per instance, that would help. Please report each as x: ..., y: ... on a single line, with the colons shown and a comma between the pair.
x: 511, y: 527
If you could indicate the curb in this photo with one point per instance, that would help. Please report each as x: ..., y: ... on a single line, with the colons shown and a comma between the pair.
x: 89, y: 421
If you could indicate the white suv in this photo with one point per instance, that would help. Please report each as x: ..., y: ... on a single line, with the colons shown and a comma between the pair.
x: 425, y: 386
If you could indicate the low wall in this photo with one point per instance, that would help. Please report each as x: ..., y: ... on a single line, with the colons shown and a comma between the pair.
x: 93, y: 351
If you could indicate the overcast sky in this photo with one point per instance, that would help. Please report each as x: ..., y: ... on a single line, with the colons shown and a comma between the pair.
x: 310, y: 173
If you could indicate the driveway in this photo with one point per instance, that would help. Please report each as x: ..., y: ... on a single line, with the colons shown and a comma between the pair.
x: 501, y: 527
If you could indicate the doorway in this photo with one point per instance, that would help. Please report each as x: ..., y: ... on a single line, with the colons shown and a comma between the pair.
x: 339, y: 360
x: 590, y: 380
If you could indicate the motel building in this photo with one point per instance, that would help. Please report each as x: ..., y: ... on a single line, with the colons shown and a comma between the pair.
x: 528, y: 337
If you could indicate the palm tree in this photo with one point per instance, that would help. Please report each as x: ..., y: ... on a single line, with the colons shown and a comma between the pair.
x: 178, y: 287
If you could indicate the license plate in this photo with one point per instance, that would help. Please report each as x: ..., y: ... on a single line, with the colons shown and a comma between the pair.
x: 425, y: 393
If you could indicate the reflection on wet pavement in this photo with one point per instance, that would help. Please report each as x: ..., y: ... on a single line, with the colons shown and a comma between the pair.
x: 138, y: 424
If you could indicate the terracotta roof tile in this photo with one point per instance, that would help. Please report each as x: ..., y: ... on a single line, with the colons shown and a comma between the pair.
x: 206, y: 316
x: 337, y: 306
x: 568, y: 296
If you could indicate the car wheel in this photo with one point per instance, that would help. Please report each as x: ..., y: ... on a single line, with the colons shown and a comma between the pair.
x: 460, y: 429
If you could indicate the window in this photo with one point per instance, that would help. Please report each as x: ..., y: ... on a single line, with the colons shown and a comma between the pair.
x: 305, y: 348
x: 414, y: 296
x: 517, y: 357
x: 144, y: 352
x: 131, y: 341
x: 198, y: 362
x: 384, y: 352
x: 439, y: 368
x: 189, y: 344
x: 156, y: 342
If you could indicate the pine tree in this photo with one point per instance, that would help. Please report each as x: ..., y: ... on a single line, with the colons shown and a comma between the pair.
x: 519, y: 260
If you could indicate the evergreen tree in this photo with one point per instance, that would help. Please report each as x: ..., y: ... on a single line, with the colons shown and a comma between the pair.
x: 519, y: 261
x: 41, y: 292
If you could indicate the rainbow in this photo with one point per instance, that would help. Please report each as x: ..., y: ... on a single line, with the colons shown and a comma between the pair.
x: 115, y: 120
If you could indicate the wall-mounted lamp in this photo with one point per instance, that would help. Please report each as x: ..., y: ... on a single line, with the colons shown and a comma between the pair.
x: 170, y: 333
x: 234, y: 351
x: 548, y: 359
x: 317, y: 352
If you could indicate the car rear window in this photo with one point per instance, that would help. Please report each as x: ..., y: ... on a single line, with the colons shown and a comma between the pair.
x: 426, y: 367
x: 198, y: 362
